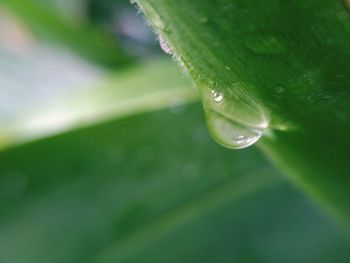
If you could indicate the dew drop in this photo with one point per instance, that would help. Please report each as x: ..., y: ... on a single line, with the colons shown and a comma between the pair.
x: 164, y: 45
x: 217, y: 96
x: 230, y: 122
x: 231, y: 134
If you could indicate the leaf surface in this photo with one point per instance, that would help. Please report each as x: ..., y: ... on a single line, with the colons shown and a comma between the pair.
x: 285, y: 65
x: 154, y: 187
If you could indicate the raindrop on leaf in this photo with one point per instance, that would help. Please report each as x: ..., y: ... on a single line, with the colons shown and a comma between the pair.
x: 231, y: 125
x: 231, y: 134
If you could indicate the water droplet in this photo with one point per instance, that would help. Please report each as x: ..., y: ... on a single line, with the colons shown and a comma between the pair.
x: 231, y: 134
x: 267, y: 44
x: 231, y: 123
x: 164, y: 45
x: 217, y: 96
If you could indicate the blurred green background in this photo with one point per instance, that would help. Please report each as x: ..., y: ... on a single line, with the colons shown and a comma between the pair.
x: 105, y: 156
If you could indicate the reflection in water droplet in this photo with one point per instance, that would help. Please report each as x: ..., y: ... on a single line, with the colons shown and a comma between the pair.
x: 217, y: 96
x: 231, y: 123
x: 164, y: 45
x: 267, y: 44
x: 231, y: 134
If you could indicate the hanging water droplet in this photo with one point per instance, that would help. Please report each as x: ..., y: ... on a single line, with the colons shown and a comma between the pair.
x: 231, y: 134
x: 231, y: 123
x: 217, y: 96
x: 164, y: 45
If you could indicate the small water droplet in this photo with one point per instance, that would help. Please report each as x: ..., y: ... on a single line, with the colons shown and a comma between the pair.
x: 231, y: 122
x: 164, y: 45
x: 217, y: 96
x: 227, y: 67
x: 266, y: 44
x: 231, y: 134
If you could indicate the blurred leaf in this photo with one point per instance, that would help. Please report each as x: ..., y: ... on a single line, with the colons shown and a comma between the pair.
x: 154, y: 188
x: 129, y: 27
x: 285, y: 64
x: 86, y: 40
x: 147, y: 86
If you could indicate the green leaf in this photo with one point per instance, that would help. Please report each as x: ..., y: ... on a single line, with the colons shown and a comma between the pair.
x: 154, y: 187
x: 279, y: 66
x: 117, y: 94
